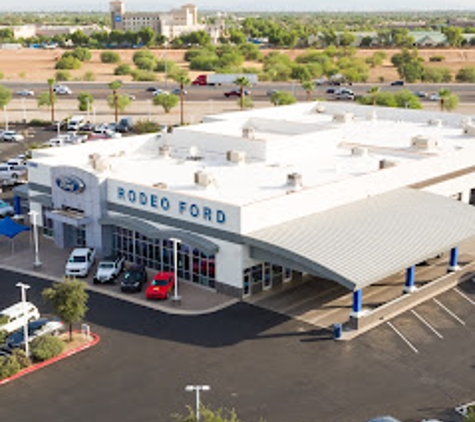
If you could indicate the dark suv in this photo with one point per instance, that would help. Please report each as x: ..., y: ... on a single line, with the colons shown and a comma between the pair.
x: 134, y: 278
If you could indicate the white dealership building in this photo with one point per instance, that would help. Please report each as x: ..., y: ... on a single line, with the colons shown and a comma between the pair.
x: 346, y: 192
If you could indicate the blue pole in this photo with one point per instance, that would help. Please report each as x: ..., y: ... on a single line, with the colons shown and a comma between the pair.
x: 17, y: 205
x: 410, y: 279
x: 357, y: 301
x: 454, y: 258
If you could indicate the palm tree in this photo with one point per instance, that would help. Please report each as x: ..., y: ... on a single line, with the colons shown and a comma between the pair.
x: 52, y: 98
x: 308, y: 87
x: 374, y: 91
x: 183, y: 79
x: 115, y: 86
x: 242, y: 82
x: 447, y: 100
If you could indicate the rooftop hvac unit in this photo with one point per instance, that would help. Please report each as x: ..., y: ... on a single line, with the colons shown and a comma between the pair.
x: 359, y: 151
x: 294, y: 180
x: 320, y: 108
x: 203, y: 178
x: 343, y: 117
x: 164, y: 151
x: 423, y: 142
x: 469, y: 129
x: 435, y: 122
x: 385, y: 164
x: 248, y: 132
x: 160, y: 185
x: 237, y: 157
x: 372, y: 116
x: 98, y: 163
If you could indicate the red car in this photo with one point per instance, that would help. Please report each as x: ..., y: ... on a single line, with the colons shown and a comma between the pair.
x: 161, y: 286
x: 235, y: 93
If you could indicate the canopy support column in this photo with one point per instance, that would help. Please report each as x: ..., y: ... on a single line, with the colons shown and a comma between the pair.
x: 357, y: 304
x: 454, y: 258
x: 409, y: 287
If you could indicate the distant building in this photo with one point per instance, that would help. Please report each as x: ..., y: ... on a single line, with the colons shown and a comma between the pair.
x: 29, y: 31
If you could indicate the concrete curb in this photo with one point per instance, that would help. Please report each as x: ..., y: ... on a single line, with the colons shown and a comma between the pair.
x: 130, y: 299
x: 33, y: 368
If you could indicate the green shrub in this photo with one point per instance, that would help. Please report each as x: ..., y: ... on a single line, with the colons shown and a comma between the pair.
x: 122, y: 69
x: 89, y: 76
x: 82, y: 54
x: 143, y: 76
x: 436, y: 59
x: 142, y: 54
x: 1, y: 75
x: 23, y: 360
x: 8, y: 366
x: 146, y: 126
x: 46, y: 347
x: 39, y: 122
x: 110, y: 57
x: 145, y: 63
x: 62, y: 75
x: 466, y: 74
x: 68, y: 62
x: 3, y: 336
x: 168, y: 65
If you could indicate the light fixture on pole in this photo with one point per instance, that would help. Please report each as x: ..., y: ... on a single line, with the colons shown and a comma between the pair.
x: 24, y: 287
x: 175, y: 297
x: 34, y: 215
x: 197, y: 388
x: 87, y: 108
x: 23, y: 106
x: 6, y: 117
x: 58, y: 127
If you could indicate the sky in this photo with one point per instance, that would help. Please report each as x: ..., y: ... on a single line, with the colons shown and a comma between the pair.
x: 243, y: 5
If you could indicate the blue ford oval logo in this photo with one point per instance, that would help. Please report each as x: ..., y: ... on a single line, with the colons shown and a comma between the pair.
x: 70, y: 184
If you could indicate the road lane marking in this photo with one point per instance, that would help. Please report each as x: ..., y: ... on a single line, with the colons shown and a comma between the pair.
x: 403, y: 338
x: 426, y: 323
x: 464, y: 296
x: 449, y: 311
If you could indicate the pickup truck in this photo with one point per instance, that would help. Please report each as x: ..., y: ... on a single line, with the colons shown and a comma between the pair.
x: 80, y: 262
x: 108, y: 270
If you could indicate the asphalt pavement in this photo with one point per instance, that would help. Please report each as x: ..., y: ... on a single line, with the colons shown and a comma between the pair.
x: 256, y: 361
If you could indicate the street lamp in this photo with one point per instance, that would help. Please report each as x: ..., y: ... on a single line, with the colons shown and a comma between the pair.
x: 197, y: 388
x: 6, y: 117
x: 24, y: 287
x: 37, y: 262
x: 175, y: 242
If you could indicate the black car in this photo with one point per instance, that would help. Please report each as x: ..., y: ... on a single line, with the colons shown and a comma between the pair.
x: 134, y: 278
x: 151, y: 89
x: 397, y: 83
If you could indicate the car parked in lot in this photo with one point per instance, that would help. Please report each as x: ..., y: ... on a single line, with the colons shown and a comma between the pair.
x: 38, y: 328
x: 8, y: 172
x: 25, y: 93
x: 15, y: 316
x: 80, y: 262
x: 134, y: 278
x: 160, y: 287
x: 5, y: 209
x: 109, y: 269
x: 236, y: 93
x: 12, y: 136
x: 465, y: 409
x: 17, y: 162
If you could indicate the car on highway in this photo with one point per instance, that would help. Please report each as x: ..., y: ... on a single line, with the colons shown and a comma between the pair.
x: 62, y: 90
x: 12, y: 136
x: 134, y: 278
x: 25, y: 93
x: 159, y: 91
x: 177, y: 91
x: 80, y: 262
x: 37, y: 328
x: 236, y: 93
x: 330, y: 90
x: 420, y: 94
x: 271, y: 92
x: 5, y: 209
x: 434, y: 97
x: 160, y: 287
x: 152, y: 89
x: 397, y: 83
x: 109, y: 269
x: 131, y: 97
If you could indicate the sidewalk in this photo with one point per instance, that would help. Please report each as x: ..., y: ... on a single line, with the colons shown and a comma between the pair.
x: 18, y: 256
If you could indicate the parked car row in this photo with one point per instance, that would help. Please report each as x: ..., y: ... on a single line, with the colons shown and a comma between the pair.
x: 13, y: 169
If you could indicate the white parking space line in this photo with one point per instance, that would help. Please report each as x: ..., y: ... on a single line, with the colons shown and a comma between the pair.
x: 403, y: 338
x: 449, y: 312
x: 464, y: 296
x: 424, y: 321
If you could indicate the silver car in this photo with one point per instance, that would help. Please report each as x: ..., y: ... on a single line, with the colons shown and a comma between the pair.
x: 5, y: 209
x: 38, y: 328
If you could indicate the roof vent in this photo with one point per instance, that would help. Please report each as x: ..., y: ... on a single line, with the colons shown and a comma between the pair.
x: 372, y: 116
x: 237, y: 157
x: 320, y: 108
x: 385, y: 164
x: 435, y: 122
x: 343, y: 117
x: 203, y: 178
x: 359, y: 151
x: 160, y: 185
x: 294, y: 180
x: 98, y: 163
x: 194, y: 154
x: 423, y: 142
x: 248, y: 132
x: 469, y: 129
x: 164, y: 151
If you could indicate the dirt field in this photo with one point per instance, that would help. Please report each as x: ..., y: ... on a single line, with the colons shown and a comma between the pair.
x: 38, y: 65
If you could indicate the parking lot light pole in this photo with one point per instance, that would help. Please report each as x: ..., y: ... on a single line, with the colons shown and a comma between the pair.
x: 24, y: 287
x: 34, y: 215
x: 197, y: 388
x: 175, y: 297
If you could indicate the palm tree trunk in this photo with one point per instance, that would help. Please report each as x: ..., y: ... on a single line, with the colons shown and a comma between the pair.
x: 242, y: 96
x: 116, y: 106
x: 182, y: 119
x: 51, y: 100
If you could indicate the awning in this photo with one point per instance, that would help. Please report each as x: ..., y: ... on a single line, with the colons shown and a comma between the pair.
x: 366, y: 241
x: 71, y: 218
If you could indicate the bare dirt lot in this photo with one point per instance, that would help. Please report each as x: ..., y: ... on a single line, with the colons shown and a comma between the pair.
x: 38, y: 65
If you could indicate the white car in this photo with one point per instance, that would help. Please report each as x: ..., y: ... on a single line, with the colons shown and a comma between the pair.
x: 12, y: 136
x: 6, y: 209
x: 14, y: 317
x: 108, y: 269
x: 159, y: 91
x: 25, y: 93
x: 62, y: 90
x: 464, y: 409
x: 8, y: 172
x: 17, y: 162
x: 434, y: 97
x: 80, y: 262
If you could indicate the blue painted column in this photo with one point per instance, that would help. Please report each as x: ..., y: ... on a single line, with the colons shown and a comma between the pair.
x: 409, y: 287
x: 17, y: 205
x: 454, y: 259
x: 357, y: 303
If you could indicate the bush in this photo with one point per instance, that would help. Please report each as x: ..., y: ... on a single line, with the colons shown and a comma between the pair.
x: 62, y: 75
x: 123, y: 69
x: 143, y: 76
x: 1, y: 75
x: 146, y: 126
x: 23, y: 360
x: 146, y: 63
x: 8, y: 366
x: 46, y: 347
x: 142, y: 54
x: 110, y: 57
x: 3, y: 336
x: 436, y: 59
x: 82, y: 54
x: 89, y: 76
x: 466, y: 74
x: 68, y: 62
x: 39, y: 122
